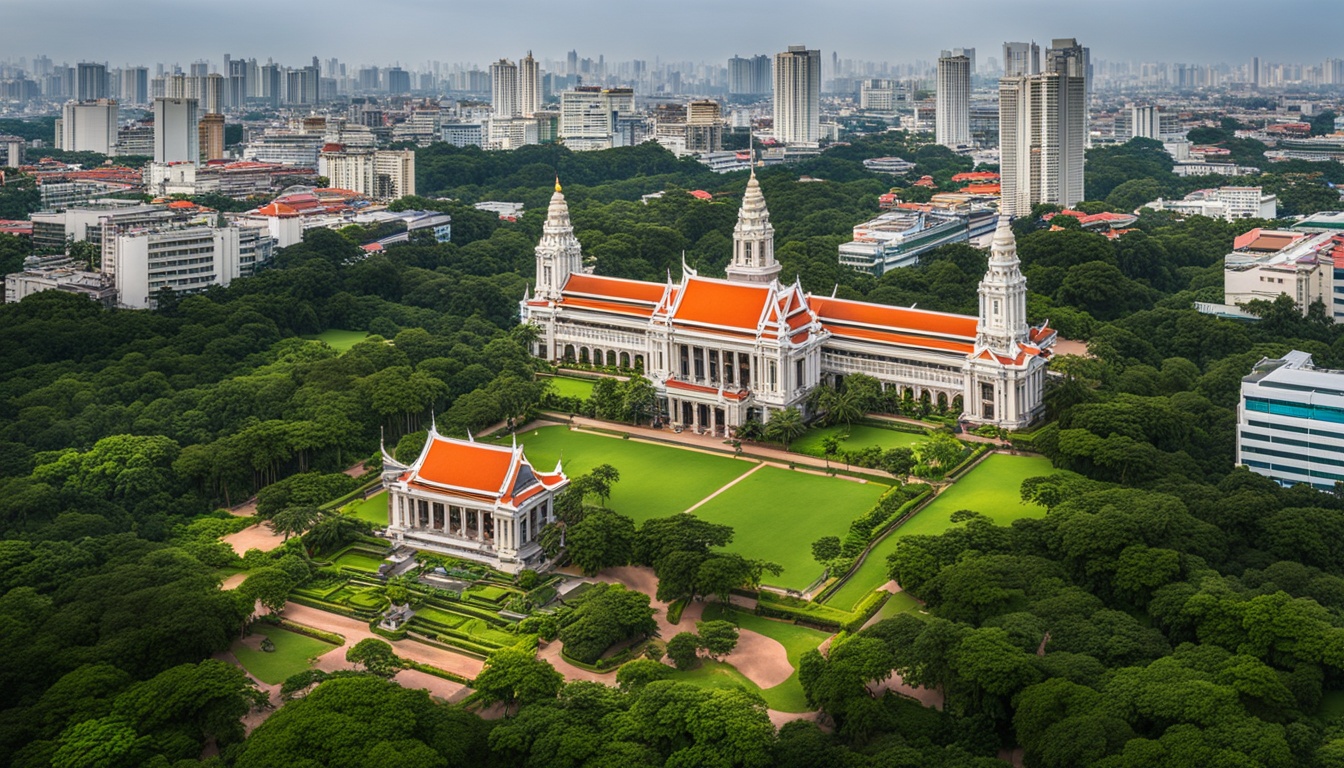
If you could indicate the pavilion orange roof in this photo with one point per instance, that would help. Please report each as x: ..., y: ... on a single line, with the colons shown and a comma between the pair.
x: 720, y: 303
x: 614, y: 288
x: 834, y: 311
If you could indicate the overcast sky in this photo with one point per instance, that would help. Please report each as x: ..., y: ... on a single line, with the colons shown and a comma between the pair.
x: 414, y: 31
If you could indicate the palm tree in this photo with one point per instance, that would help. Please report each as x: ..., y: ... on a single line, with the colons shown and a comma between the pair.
x: 332, y: 532
x: 786, y: 426
x: 843, y: 407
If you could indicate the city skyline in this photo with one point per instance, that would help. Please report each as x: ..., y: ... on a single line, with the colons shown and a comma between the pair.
x: 1197, y: 32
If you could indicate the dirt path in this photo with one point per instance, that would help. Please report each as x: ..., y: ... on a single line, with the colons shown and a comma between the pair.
x: 254, y: 537
x: 761, y: 659
x: 355, y: 630
x: 233, y: 581
x: 925, y: 696
x: 246, y: 509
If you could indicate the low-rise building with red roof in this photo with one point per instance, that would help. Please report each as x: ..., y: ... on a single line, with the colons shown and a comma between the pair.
x: 472, y: 500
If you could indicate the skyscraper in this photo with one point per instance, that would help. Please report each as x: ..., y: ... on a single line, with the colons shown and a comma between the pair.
x: 529, y: 85
x: 1021, y: 59
x: 398, y: 81
x: 1042, y: 128
x: 211, y: 90
x: 91, y: 82
x: 749, y: 77
x: 176, y: 131
x: 504, y: 89
x: 1067, y: 57
x: 88, y: 127
x: 135, y: 85
x: 211, y: 137
x: 798, y: 95
x: 953, y: 113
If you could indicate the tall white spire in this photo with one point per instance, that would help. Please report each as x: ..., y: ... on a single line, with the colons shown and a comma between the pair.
x: 1003, y: 296
x: 753, y: 239
x: 558, y: 254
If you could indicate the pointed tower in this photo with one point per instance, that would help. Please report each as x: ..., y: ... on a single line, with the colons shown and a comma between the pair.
x: 1003, y: 296
x: 558, y: 253
x: 753, y: 239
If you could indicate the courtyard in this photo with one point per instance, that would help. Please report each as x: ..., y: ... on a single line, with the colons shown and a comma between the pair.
x: 776, y: 513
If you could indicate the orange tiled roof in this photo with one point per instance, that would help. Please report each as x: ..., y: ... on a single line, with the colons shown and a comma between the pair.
x: 606, y: 306
x: 467, y: 465
x: 720, y: 303
x: 689, y: 387
x: 901, y: 339
x: 842, y: 311
x: 614, y: 288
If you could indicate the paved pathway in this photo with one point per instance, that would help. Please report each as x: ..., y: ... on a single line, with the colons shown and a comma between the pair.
x: 355, y: 630
x: 730, y: 484
x: 257, y: 536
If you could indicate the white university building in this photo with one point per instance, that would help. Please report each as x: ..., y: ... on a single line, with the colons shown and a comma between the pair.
x: 1290, y: 424
x: 721, y: 351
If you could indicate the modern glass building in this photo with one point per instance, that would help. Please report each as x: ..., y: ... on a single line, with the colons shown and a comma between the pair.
x: 1290, y: 424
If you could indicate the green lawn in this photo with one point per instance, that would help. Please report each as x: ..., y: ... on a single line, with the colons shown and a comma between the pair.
x: 778, y: 513
x: 788, y: 695
x: 990, y: 489
x: 656, y: 480
x: 291, y: 655
x: 359, y: 561
x: 566, y: 386
x: 372, y: 509
x: 855, y: 437
x: 340, y: 340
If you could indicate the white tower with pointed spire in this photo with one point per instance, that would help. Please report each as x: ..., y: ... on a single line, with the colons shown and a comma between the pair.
x: 753, y: 239
x: 1003, y: 296
x: 558, y: 253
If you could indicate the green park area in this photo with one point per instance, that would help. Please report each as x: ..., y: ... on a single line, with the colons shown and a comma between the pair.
x: 372, y: 509
x: 568, y: 386
x: 778, y: 513
x: 359, y: 561
x: 656, y: 480
x: 293, y: 652
x: 855, y: 437
x: 992, y: 489
x: 340, y: 340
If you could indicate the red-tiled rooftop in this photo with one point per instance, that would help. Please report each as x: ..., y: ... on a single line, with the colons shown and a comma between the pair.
x: 614, y: 288
x: 843, y: 311
x: 474, y: 466
x: 721, y: 303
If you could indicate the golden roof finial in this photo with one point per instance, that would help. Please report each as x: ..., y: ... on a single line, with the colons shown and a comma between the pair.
x: 557, y: 183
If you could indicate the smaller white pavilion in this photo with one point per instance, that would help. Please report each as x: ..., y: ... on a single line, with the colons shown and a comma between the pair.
x: 471, y: 500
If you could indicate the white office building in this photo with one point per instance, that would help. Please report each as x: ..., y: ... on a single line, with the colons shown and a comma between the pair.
x: 141, y: 261
x: 1042, y: 136
x: 1290, y: 423
x: 504, y: 89
x: 798, y: 96
x: 1227, y: 203
x: 1021, y: 59
x: 384, y: 174
x: 176, y: 131
x: 88, y: 127
x: 590, y: 116
x: 953, y: 114
x: 898, y: 238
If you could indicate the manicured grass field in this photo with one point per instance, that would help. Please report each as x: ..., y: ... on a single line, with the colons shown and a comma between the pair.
x: 855, y: 437
x: 991, y: 489
x: 373, y: 509
x: 290, y: 657
x: 788, y: 695
x: 359, y: 561
x: 656, y: 480
x: 778, y: 513
x: 565, y: 386
x: 340, y: 340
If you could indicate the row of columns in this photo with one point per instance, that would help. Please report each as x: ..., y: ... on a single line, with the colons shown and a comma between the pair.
x: 505, y: 532
x: 741, y: 365
x: 676, y: 407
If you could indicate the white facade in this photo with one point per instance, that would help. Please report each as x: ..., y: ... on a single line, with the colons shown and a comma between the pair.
x: 898, y: 238
x: 1021, y: 59
x: 504, y: 100
x: 797, y: 93
x: 720, y: 352
x: 1267, y: 264
x: 1228, y: 203
x: 1042, y: 136
x: 1290, y: 423
x: 176, y: 131
x: 953, y: 115
x: 383, y: 174
x: 472, y: 500
x: 142, y: 261
x: 529, y: 85
x: 590, y: 116
x: 89, y: 127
